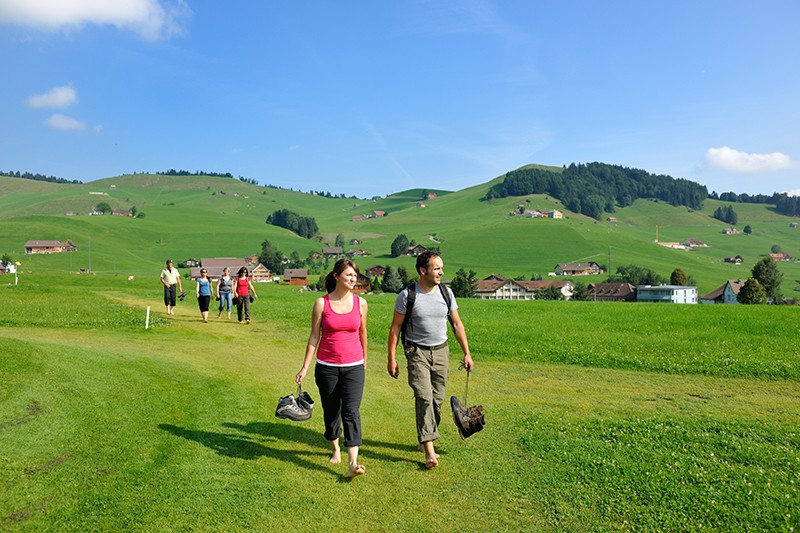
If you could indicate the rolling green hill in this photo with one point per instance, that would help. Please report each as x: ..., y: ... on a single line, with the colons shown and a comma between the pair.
x: 199, y: 216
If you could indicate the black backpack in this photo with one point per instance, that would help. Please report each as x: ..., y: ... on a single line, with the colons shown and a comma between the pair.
x: 412, y: 296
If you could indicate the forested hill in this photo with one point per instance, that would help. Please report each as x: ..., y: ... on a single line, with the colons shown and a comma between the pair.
x: 594, y: 188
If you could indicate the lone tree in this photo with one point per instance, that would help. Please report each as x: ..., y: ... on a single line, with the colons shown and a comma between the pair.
x: 767, y: 273
x: 339, y: 241
x: 752, y: 293
x: 464, y: 283
x: 678, y: 277
x: 103, y: 207
x: 581, y: 292
x: 391, y: 281
x: 270, y: 256
x: 399, y: 245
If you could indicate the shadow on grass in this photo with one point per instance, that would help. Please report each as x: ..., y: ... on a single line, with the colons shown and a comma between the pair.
x: 232, y: 445
x: 297, y: 433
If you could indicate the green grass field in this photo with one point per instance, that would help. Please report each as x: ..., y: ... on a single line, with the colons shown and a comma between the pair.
x: 599, y: 417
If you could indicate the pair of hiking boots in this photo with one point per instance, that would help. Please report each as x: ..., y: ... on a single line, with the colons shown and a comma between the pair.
x: 297, y: 408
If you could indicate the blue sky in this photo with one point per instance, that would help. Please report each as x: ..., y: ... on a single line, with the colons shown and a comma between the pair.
x: 369, y: 98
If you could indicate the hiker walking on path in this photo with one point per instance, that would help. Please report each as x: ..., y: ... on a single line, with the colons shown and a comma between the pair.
x: 421, y: 313
x: 243, y: 287
x: 170, y: 277
x: 225, y: 292
x: 339, y: 338
x: 203, y: 293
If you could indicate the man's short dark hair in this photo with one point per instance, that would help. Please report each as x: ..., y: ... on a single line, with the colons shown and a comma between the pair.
x: 424, y: 258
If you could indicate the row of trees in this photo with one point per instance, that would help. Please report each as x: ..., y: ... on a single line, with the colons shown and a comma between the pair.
x: 303, y: 226
x: 36, y: 177
x: 788, y: 205
x: 726, y: 214
x: 593, y: 188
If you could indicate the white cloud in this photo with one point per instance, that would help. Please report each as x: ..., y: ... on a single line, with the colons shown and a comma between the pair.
x: 149, y: 18
x: 65, y: 123
x: 737, y: 161
x: 63, y: 96
x: 795, y: 192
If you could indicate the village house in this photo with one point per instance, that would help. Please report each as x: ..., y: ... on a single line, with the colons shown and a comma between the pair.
x: 378, y: 214
x: 122, y: 212
x: 674, y: 294
x: 612, y: 292
x: 362, y: 284
x: 578, y: 269
x: 420, y: 205
x: 358, y: 218
x: 429, y: 196
x: 498, y: 287
x: 694, y: 243
x: 735, y: 260
x: 297, y: 277
x: 356, y: 253
x: 332, y: 251
x: 315, y: 256
x: 354, y: 242
x: 730, y: 231
x: 414, y: 250
x: 535, y: 214
x: 555, y: 213
x: 726, y: 294
x: 49, y: 247
x: 611, y: 219
x: 783, y: 256
x: 376, y: 271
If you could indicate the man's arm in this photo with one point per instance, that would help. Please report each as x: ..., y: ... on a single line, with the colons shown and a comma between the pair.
x: 394, y: 336
x: 461, y: 336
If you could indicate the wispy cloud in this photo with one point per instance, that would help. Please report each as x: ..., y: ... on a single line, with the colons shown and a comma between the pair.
x: 795, y: 192
x: 737, y: 161
x: 57, y: 97
x: 152, y: 19
x: 65, y: 123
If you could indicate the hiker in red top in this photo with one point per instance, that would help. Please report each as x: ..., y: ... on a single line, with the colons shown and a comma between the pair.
x: 339, y: 338
x: 242, y: 287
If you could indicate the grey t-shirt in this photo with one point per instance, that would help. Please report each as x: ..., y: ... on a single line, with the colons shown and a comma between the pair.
x: 428, y: 325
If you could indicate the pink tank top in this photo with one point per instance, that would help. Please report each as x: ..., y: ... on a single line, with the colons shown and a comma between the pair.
x: 243, y: 286
x: 340, y: 344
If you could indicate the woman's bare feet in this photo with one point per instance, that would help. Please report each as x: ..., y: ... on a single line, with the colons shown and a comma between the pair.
x: 432, y: 462
x: 356, y: 470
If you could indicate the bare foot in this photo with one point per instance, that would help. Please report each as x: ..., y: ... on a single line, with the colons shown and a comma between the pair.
x: 432, y: 462
x: 356, y: 470
x: 336, y: 457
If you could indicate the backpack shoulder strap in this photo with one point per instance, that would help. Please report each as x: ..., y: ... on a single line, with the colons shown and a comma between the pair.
x: 410, y: 298
x: 449, y: 302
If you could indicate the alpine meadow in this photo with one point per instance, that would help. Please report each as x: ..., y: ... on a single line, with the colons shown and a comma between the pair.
x: 599, y: 415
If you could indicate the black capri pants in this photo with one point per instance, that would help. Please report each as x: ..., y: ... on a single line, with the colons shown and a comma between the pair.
x: 340, y: 391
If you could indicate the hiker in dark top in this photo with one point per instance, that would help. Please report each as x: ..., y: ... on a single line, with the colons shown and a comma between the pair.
x: 424, y: 333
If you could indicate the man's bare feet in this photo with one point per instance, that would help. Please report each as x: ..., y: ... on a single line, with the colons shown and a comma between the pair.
x: 336, y: 457
x: 356, y: 470
x: 432, y: 462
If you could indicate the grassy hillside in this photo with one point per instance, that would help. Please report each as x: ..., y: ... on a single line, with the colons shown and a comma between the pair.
x: 189, y: 216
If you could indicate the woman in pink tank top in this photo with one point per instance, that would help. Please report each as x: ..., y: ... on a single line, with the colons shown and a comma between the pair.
x: 339, y: 339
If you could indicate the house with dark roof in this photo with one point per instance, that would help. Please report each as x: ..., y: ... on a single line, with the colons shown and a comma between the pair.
x: 726, y: 294
x: 49, y: 247
x: 296, y: 277
x: 612, y: 292
x: 578, y: 269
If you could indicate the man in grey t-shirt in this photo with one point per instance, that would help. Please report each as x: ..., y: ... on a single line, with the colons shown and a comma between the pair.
x: 425, y: 346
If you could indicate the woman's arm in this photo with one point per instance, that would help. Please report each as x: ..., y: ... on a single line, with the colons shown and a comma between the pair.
x: 313, y: 338
x: 362, y: 332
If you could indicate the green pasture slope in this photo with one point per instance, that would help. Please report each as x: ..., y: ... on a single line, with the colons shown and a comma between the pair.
x: 189, y: 217
x: 600, y: 417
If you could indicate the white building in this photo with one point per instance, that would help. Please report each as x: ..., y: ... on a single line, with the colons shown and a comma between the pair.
x: 670, y: 294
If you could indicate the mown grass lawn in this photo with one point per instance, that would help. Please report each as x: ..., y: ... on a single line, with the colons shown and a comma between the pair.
x: 599, y: 417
